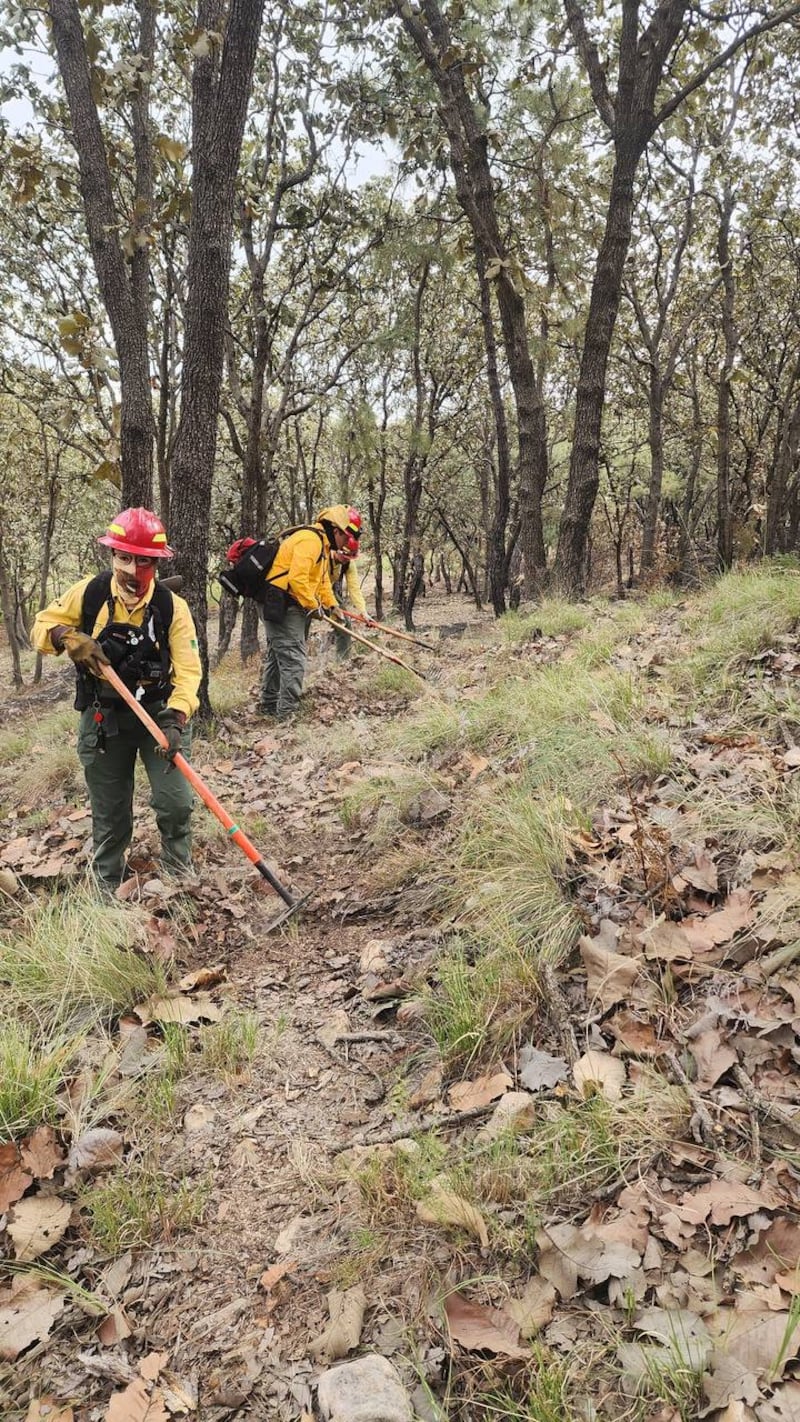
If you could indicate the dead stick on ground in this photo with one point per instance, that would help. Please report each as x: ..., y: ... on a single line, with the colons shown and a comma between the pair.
x: 705, y: 1126
x: 760, y: 1103
x: 557, y: 1007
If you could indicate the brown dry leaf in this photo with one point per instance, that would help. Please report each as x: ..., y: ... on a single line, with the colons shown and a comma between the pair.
x: 599, y: 1072
x: 783, y: 1405
x: 468, y: 1095
x: 702, y: 874
x: 540, y: 1070
x: 114, y: 1328
x: 534, y: 1308
x: 137, y: 1403
x: 665, y: 941
x: 776, y: 1250
x: 203, y: 978
x: 9, y: 883
x: 790, y: 1281
x: 27, y: 1313
x: 178, y: 1008
x: 98, y: 1149
x: 713, y: 1057
x: 343, y: 1333
x: 36, y: 1224
x: 41, y: 1154
x: 444, y: 1207
x: 429, y: 1088
x: 271, y: 1276
x: 638, y: 1039
x: 763, y: 1342
x: 592, y: 1256
x: 151, y: 1365
x: 610, y: 976
x: 14, y: 1181
x: 723, y: 1200
x: 709, y: 932
x: 514, y: 1112
x: 46, y: 1409
x: 482, y: 1330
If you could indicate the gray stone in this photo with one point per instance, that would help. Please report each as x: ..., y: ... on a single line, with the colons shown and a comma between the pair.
x: 366, y: 1390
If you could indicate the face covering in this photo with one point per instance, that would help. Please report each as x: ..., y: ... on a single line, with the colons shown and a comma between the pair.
x: 135, y: 580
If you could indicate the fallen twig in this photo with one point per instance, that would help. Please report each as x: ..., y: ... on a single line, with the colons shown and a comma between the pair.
x: 702, y: 1127
x: 761, y: 1104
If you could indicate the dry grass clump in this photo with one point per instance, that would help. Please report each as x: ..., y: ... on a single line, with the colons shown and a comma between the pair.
x: 71, y: 962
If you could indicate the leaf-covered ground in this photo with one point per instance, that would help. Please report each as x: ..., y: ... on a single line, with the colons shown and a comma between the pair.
x: 512, y: 1104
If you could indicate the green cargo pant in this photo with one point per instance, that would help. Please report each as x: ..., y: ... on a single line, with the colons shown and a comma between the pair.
x: 285, y: 665
x: 109, y: 778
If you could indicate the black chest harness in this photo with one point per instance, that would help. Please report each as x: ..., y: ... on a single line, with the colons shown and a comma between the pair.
x: 139, y: 655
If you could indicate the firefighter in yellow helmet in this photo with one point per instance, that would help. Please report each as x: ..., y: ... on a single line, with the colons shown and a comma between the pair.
x: 344, y: 575
x: 299, y: 585
x: 124, y: 616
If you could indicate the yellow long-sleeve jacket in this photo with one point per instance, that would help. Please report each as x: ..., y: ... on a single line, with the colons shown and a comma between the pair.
x: 301, y: 567
x: 352, y: 585
x: 186, y: 670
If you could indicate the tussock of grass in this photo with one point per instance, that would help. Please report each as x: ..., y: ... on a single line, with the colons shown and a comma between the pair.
x: 229, y: 1046
x: 139, y: 1205
x: 229, y: 684
x: 552, y: 618
x: 738, y: 617
x: 32, y: 1071
x: 46, y: 762
x: 384, y: 803
x: 386, y: 678
x: 72, y: 962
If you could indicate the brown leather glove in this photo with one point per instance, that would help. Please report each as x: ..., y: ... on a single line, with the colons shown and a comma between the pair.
x: 87, y: 654
x: 172, y: 723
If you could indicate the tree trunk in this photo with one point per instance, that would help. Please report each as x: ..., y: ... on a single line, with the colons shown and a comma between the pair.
x: 496, y: 534
x: 724, y: 515
x: 417, y: 580
x: 47, y: 544
x: 656, y: 440
x: 220, y: 93
x: 124, y: 290
x: 7, y: 608
x: 583, y: 481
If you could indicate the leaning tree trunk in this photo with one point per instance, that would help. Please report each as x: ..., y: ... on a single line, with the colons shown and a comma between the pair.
x: 220, y: 93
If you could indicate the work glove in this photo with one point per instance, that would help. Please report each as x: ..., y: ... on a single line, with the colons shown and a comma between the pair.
x: 172, y: 723
x: 82, y: 649
x: 335, y: 614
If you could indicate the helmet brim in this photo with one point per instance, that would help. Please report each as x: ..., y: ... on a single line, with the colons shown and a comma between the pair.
x: 109, y: 541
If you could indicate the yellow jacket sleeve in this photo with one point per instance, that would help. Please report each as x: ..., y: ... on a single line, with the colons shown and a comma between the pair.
x: 301, y: 568
x: 185, y: 657
x: 352, y: 584
x: 65, y: 611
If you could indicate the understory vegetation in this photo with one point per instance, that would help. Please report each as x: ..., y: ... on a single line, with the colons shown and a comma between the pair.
x: 560, y: 731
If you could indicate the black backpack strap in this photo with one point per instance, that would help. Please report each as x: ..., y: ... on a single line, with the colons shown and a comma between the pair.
x: 96, y: 593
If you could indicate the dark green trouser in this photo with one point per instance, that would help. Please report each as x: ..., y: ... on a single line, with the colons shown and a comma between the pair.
x: 109, y: 778
x: 285, y: 665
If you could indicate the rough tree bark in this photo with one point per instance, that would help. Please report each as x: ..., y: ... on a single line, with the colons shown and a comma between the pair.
x: 124, y: 285
x: 220, y: 93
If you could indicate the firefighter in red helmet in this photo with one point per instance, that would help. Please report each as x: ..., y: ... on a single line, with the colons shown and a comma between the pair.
x: 145, y: 631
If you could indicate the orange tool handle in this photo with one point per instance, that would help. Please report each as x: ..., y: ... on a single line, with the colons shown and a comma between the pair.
x: 208, y: 798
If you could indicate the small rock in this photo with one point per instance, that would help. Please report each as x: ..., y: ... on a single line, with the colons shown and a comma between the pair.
x: 367, y: 1390
x: 426, y: 808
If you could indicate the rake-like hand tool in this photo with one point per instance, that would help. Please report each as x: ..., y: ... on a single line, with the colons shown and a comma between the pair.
x: 365, y: 642
x: 390, y: 631
x: 208, y: 798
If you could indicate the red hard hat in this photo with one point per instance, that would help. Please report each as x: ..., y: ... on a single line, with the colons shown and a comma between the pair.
x: 354, y: 522
x: 239, y: 548
x: 138, y: 531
